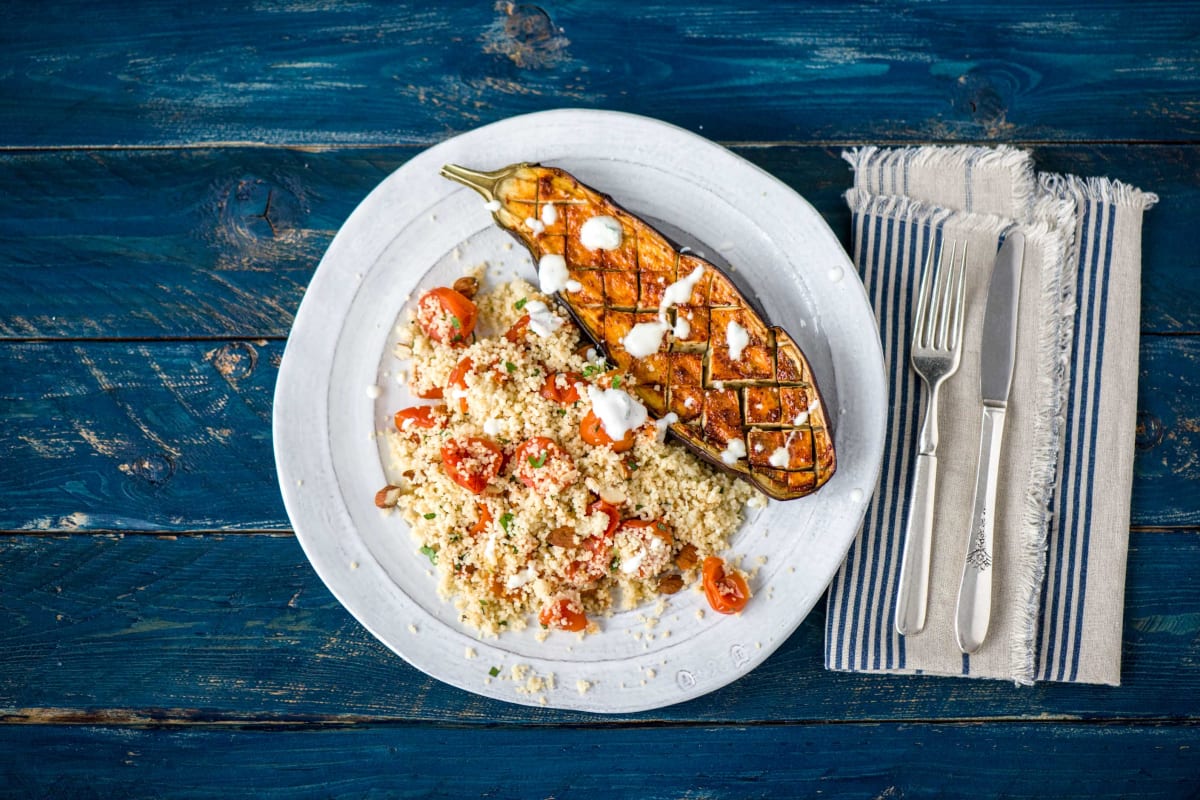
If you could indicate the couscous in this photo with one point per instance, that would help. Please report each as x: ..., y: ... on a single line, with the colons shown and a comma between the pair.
x: 535, y: 483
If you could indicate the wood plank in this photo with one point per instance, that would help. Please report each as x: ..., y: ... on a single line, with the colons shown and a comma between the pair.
x: 832, y: 761
x: 175, y: 436
x: 175, y: 243
x: 211, y: 629
x: 75, y: 73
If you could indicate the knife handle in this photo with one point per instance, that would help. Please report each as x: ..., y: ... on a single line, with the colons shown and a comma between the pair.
x: 974, y: 610
x: 913, y: 593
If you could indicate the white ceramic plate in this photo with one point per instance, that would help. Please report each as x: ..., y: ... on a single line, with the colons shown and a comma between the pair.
x: 417, y: 230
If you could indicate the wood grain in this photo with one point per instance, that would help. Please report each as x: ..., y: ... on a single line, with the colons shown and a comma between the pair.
x: 174, y: 72
x: 175, y: 436
x: 233, y: 629
x: 851, y: 761
x: 222, y: 242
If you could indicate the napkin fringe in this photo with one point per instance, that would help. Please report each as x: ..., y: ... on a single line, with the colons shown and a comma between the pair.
x: 1105, y: 190
x: 905, y: 209
x: 871, y: 164
x: 1054, y: 222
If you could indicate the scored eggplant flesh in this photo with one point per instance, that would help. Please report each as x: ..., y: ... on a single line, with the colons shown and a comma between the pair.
x: 758, y: 390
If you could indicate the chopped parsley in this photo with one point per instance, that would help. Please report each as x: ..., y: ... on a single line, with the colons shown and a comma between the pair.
x: 537, y: 462
x: 455, y: 322
x: 505, y: 520
x: 511, y: 367
x: 521, y: 303
x: 430, y: 515
x: 430, y: 553
x: 631, y: 464
x: 616, y: 381
x: 616, y: 561
x: 494, y: 671
x: 592, y: 369
x: 638, y: 507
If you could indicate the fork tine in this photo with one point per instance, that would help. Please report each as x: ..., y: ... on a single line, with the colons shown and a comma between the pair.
x: 918, y: 325
x: 959, y: 300
x: 944, y: 289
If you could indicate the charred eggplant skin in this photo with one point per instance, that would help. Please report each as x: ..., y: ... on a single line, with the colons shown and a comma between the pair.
x: 743, y: 391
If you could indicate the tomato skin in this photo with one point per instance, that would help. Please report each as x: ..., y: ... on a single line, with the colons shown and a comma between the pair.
x: 432, y: 393
x: 563, y: 395
x: 481, y: 524
x: 591, y: 429
x: 409, y: 419
x: 655, y: 527
x: 446, y: 316
x: 614, y: 515
x: 727, y: 592
x: 458, y: 379
x: 472, y: 463
x: 543, y: 466
x: 517, y: 332
x: 563, y: 613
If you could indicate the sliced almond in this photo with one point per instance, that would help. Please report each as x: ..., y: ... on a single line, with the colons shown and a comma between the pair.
x: 467, y: 286
x: 687, y: 558
x: 670, y: 584
x: 562, y: 537
x: 388, y: 496
x: 613, y: 494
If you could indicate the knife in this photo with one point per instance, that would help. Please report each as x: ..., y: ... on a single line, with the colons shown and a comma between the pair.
x: 995, y: 378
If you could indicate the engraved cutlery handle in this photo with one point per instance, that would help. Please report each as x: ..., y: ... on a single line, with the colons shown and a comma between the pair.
x: 974, y: 610
x: 913, y: 593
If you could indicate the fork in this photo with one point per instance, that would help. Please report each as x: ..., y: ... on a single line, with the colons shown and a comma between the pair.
x: 936, y: 352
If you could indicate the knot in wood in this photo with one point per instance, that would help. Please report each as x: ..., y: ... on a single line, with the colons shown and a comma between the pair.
x: 234, y: 360
x: 156, y: 469
x: 984, y: 98
x: 1149, y: 432
x: 254, y: 208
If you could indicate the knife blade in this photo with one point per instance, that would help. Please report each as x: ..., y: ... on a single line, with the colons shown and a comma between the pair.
x: 996, y: 359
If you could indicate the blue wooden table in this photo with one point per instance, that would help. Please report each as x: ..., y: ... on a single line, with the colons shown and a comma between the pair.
x: 172, y: 171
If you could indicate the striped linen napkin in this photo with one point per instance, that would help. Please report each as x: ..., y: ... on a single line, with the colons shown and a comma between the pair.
x: 1062, y: 516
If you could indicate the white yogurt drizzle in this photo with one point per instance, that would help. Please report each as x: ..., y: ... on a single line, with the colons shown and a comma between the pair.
x: 600, y: 233
x: 738, y: 338
x: 779, y: 456
x: 553, y: 275
x: 619, y: 413
x: 490, y: 426
x: 549, y: 214
x: 662, y: 425
x: 535, y: 225
x: 802, y: 417
x: 733, y: 451
x: 542, y: 320
x: 645, y: 338
x: 492, y: 205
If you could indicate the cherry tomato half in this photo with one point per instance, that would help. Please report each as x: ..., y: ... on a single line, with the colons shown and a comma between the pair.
x: 727, y: 592
x: 614, y: 516
x: 458, y: 379
x: 446, y: 316
x: 473, y: 462
x: 517, y: 332
x: 592, y: 431
x: 562, y: 387
x: 428, y: 417
x: 563, y: 613
x: 481, y: 524
x: 543, y: 466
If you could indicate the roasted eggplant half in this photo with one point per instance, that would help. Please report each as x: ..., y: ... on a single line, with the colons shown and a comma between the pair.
x: 742, y: 393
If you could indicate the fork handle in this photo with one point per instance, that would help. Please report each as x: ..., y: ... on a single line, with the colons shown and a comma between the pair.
x: 973, y: 615
x: 913, y: 594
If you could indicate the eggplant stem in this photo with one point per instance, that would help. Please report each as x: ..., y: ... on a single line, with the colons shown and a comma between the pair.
x: 483, y: 182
